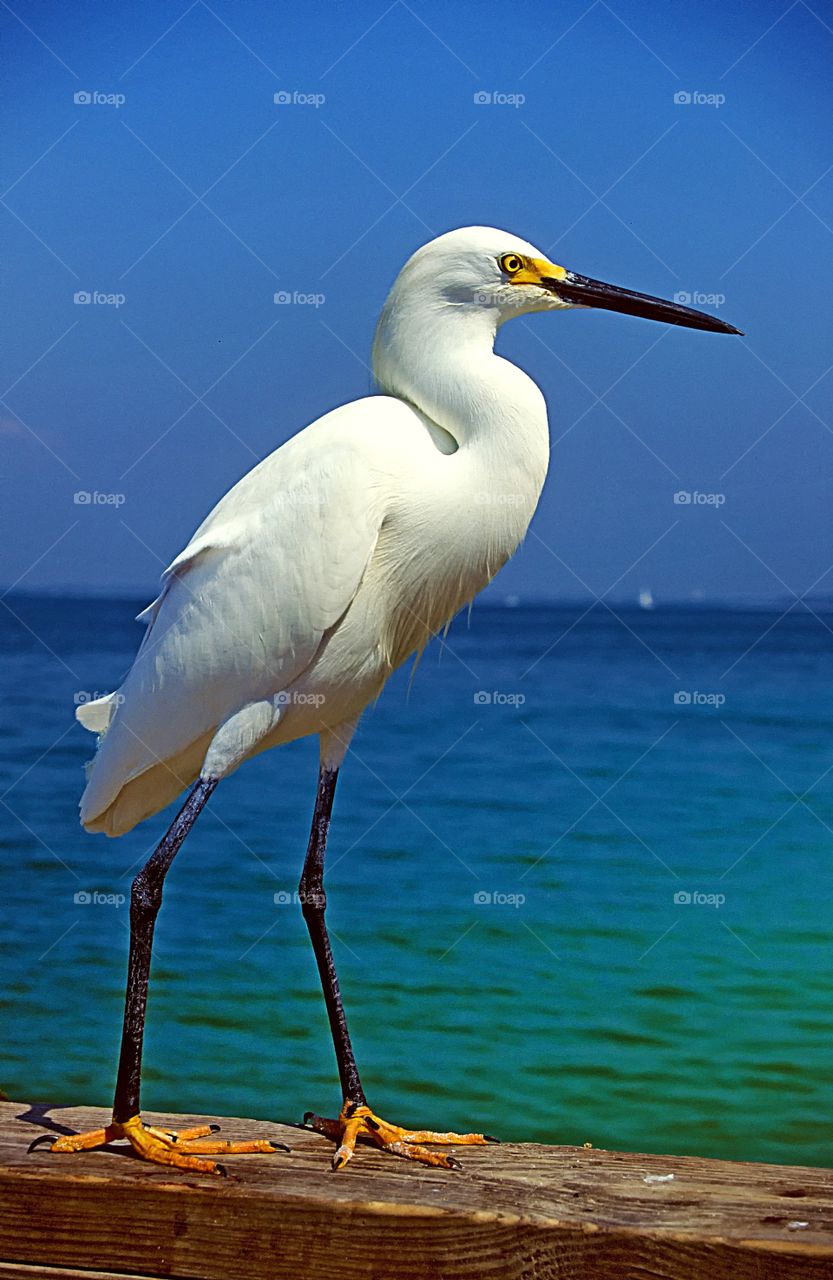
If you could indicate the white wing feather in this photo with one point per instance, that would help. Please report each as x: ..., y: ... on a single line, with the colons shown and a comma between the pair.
x: 244, y: 607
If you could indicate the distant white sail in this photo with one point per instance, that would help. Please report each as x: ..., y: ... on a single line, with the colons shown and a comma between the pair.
x: 646, y: 599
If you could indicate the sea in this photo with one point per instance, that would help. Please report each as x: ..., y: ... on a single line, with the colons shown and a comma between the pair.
x: 580, y: 883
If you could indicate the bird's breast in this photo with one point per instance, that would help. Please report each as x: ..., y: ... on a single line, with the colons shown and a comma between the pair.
x: 439, y: 548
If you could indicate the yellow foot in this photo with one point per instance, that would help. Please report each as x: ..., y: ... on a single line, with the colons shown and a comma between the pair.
x: 182, y: 1149
x: 359, y: 1123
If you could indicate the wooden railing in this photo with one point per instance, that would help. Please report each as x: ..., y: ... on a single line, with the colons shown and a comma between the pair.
x: 515, y: 1212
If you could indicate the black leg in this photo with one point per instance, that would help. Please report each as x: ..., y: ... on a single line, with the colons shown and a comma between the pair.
x: 145, y: 900
x: 313, y: 905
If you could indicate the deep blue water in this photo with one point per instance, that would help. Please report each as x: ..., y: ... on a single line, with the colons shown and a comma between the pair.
x: 502, y: 887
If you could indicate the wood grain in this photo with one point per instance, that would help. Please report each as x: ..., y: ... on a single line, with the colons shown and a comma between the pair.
x: 517, y: 1212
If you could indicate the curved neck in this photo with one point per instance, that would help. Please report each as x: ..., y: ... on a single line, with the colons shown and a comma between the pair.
x: 441, y: 359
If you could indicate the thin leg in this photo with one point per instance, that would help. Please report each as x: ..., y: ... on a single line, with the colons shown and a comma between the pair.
x: 356, y: 1120
x: 145, y: 901
x: 181, y: 1150
x: 313, y: 905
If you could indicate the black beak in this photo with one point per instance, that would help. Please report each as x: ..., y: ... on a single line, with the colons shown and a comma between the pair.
x: 581, y: 291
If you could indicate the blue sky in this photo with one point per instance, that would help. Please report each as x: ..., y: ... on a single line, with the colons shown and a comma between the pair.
x: 197, y: 198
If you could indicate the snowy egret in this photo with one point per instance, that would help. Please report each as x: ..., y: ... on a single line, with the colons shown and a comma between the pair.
x: 318, y: 574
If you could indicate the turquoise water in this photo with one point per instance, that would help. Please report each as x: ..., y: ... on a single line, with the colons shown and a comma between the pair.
x: 580, y: 1003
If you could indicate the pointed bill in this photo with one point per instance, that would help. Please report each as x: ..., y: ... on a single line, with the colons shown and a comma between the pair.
x: 582, y: 291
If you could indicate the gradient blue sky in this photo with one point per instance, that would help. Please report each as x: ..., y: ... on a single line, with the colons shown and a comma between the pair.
x: 199, y: 198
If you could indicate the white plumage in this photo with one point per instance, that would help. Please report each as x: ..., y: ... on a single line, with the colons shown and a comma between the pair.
x: 333, y: 560
x: 341, y: 553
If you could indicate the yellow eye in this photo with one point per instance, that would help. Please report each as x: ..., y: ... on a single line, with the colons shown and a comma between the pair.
x: 511, y: 264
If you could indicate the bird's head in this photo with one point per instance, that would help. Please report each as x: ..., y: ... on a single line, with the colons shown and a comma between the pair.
x: 452, y: 295
x: 483, y: 270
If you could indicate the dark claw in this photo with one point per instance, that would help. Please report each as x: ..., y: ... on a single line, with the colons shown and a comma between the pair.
x: 309, y: 1116
x: 278, y: 1146
x: 452, y: 1163
x: 214, y: 1128
x: 222, y: 1170
x: 51, y: 1138
x: 489, y: 1138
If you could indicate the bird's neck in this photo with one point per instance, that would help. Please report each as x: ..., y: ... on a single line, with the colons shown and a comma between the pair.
x: 443, y: 362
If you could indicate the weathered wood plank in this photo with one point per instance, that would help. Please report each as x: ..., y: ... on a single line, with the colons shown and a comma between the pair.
x: 20, y: 1271
x: 517, y: 1212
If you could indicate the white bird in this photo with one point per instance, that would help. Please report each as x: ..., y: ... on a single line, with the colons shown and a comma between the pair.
x: 315, y: 577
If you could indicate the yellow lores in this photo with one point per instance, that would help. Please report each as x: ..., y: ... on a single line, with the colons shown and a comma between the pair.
x: 530, y: 270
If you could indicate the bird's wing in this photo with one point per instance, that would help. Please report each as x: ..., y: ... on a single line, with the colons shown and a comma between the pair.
x: 198, y: 546
x: 244, y: 607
